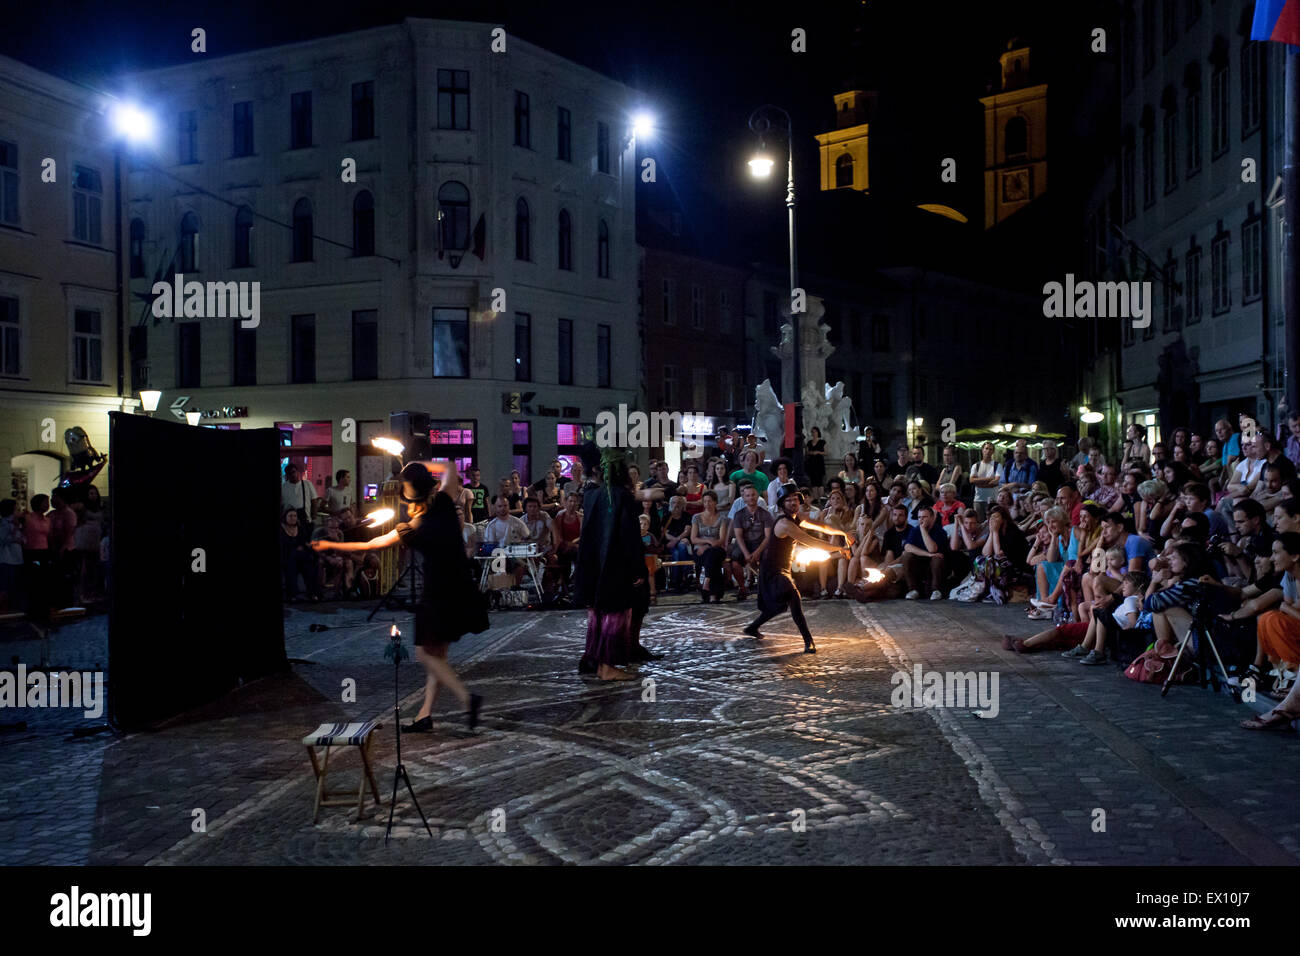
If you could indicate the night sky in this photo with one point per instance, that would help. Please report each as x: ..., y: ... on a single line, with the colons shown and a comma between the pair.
x: 702, y: 68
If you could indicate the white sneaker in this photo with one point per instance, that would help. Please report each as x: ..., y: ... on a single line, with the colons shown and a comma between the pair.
x: 936, y: 595
x: 913, y: 595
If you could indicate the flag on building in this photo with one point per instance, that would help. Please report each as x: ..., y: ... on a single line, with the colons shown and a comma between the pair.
x: 1277, y: 20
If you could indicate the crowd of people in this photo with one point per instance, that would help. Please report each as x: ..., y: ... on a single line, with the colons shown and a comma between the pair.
x: 53, y: 554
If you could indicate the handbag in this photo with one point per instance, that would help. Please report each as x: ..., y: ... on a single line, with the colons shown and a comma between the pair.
x: 968, y: 591
x: 1152, y: 666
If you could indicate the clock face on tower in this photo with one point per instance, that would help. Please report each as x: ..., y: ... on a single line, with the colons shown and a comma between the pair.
x: 1015, y: 185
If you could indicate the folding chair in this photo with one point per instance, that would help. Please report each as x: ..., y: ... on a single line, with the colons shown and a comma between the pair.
x: 357, y: 735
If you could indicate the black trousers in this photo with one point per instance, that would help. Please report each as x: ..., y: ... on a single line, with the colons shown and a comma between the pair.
x: 709, y: 565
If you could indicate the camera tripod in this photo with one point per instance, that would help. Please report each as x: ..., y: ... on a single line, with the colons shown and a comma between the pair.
x: 1201, y: 629
x: 411, y: 575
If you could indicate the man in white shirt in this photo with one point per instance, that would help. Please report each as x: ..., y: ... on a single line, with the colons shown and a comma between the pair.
x: 504, y: 528
x: 339, y: 499
x: 297, y: 494
x: 1245, y: 478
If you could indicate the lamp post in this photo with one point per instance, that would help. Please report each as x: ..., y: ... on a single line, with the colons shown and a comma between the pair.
x: 149, y: 398
x: 761, y: 167
x: 130, y: 126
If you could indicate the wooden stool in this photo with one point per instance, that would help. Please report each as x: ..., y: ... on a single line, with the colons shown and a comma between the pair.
x: 342, y: 735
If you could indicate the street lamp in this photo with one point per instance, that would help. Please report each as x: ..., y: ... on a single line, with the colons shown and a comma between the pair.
x: 131, y: 126
x: 760, y: 167
x: 193, y: 417
x: 149, y: 398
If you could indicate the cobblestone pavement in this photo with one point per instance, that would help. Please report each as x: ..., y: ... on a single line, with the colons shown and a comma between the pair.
x: 726, y: 751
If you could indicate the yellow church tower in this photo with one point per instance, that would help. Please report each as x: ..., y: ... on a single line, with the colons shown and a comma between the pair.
x: 1015, y: 139
x: 844, y: 151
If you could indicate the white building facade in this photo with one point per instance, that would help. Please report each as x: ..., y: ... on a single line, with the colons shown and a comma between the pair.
x: 480, y: 270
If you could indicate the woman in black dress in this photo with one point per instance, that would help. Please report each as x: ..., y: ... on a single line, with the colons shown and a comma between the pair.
x: 451, y: 605
x: 814, y: 461
x: 776, y: 588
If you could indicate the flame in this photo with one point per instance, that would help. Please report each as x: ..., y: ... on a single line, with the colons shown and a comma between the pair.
x: 875, y: 576
x: 390, y: 445
x: 394, y: 631
x: 810, y: 555
x: 382, y: 516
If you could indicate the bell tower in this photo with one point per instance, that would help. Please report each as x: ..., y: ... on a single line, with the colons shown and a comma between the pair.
x: 1015, y: 138
x: 844, y: 153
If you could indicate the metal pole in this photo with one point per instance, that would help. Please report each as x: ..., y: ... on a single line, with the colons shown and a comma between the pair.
x: 1291, y: 195
x: 796, y: 440
x: 117, y: 260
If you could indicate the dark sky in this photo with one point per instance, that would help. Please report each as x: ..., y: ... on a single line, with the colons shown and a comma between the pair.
x: 703, y: 67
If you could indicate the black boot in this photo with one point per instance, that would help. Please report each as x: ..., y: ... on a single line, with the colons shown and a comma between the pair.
x: 475, y: 704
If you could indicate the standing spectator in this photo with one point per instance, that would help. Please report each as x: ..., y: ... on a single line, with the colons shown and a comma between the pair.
x: 918, y: 467
x: 749, y: 460
x: 551, y: 494
x: 340, y: 499
x: 1137, y: 453
x: 1085, y: 446
x: 984, y: 478
x: 951, y: 473
x: 1292, y: 444
x: 479, y: 510
x: 1021, y: 472
x: 296, y: 557
x: 86, y: 538
x: 814, y: 461
x: 1051, y: 470
x: 718, y: 482
x: 63, y: 527
x: 898, y: 468
x: 781, y: 468
x: 925, y: 553
x: 299, y: 495
x: 11, y: 555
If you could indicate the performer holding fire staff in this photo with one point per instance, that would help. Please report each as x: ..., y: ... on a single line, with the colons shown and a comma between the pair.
x: 451, y: 605
x: 776, y: 587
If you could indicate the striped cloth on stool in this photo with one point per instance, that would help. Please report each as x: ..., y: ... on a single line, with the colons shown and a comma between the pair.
x: 340, y: 734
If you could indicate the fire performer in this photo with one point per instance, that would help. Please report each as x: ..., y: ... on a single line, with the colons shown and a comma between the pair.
x: 776, y: 588
x: 451, y: 605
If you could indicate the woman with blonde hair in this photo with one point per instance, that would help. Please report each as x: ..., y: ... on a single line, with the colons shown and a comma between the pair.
x: 451, y: 605
x: 838, y: 516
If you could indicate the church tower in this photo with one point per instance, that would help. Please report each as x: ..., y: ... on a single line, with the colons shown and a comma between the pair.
x: 1015, y: 139
x: 844, y: 157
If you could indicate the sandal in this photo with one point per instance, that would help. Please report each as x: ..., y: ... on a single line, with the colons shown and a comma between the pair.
x: 1273, y: 720
x: 1278, y: 695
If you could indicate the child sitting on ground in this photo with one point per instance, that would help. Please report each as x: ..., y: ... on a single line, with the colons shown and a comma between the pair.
x: 1129, y: 615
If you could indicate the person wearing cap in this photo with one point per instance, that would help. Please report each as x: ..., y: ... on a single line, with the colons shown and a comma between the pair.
x: 451, y: 605
x: 777, y: 592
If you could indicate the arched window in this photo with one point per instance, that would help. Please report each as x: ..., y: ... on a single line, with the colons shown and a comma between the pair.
x: 453, y: 217
x: 1016, y: 137
x: 565, y: 258
x: 303, y: 231
x: 187, y: 252
x: 844, y: 171
x: 602, y: 250
x: 243, y: 237
x: 523, y: 232
x: 137, y: 248
x: 363, y: 224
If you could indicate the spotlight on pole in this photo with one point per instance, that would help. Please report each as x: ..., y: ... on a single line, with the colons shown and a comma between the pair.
x: 132, y: 123
x: 643, y: 125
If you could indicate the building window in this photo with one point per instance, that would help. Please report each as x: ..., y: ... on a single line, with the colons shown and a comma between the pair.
x: 564, y: 247
x: 243, y: 360
x: 1250, y: 257
x: 1130, y: 178
x: 880, y: 333
x: 11, y: 337
x: 1170, y: 24
x: 302, y: 349
x: 187, y: 251
x: 242, y: 132
x: 188, y: 129
x: 1015, y: 138
x: 602, y: 147
x: 138, y: 351
x: 521, y: 449
x: 1193, y: 132
x: 523, y: 347
x: 728, y: 382
x: 453, y: 99
x: 564, y: 351
x: 1219, y: 110
x: 844, y: 171
x: 137, y: 248
x: 300, y: 120
x: 451, y: 343
x: 87, y: 205
x: 882, y: 396
x: 1219, y: 291
x: 700, y: 388
x: 8, y: 183
x: 670, y: 386
x: 1148, y: 161
x: 569, y: 439
x: 1192, y: 283
x: 188, y: 365
x: 303, y: 231
x: 1148, y: 35
x: 602, y: 250
x: 363, y: 224
x: 1170, y: 129
x: 365, y: 345
x: 523, y: 134
x: 453, y: 217
x: 523, y: 232
x: 243, y: 238
x: 670, y: 302
x: 363, y: 110
x: 563, y: 135
x: 1249, y: 88
x: 697, y: 306
x: 602, y: 356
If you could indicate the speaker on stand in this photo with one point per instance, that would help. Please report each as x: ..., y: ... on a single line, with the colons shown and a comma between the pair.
x: 412, y: 430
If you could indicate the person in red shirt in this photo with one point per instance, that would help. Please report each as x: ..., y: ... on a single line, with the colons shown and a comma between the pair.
x: 948, y: 506
x: 1067, y: 497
